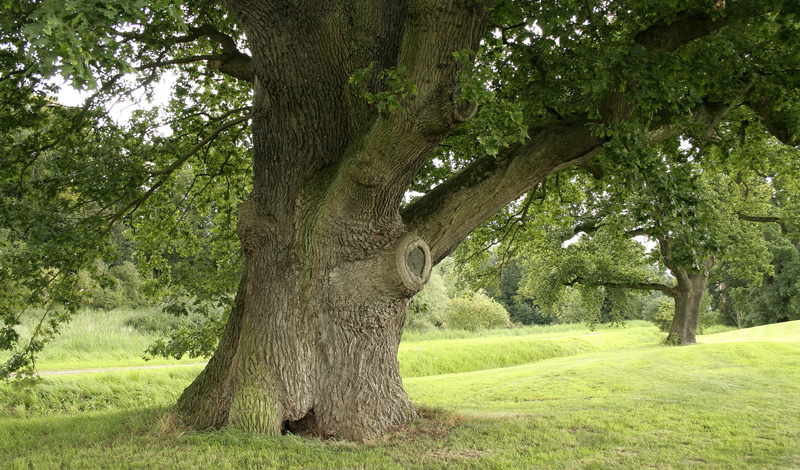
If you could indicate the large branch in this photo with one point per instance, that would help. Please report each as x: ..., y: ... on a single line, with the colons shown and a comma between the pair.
x: 646, y: 286
x: 669, y: 35
x: 589, y: 226
x: 782, y: 126
x: 663, y: 35
x: 231, y: 61
x: 765, y: 220
x: 447, y: 214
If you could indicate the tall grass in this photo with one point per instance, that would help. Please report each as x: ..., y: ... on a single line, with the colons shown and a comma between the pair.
x: 99, y: 338
x: 127, y: 390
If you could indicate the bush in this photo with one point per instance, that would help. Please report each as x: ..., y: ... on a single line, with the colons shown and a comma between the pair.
x: 474, y: 312
x: 156, y: 322
x: 427, y: 307
x: 109, y: 288
x: 418, y: 316
x: 664, y: 314
x: 128, y: 282
x: 708, y: 318
x: 527, y: 314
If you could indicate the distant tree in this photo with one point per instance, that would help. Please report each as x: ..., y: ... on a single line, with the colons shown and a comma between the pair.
x: 520, y: 309
x: 686, y: 203
x: 775, y: 298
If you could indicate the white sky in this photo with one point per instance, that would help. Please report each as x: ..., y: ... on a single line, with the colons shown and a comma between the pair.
x: 121, y: 110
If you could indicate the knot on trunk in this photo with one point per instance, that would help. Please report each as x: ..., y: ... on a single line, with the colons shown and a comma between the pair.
x: 413, y: 261
x: 254, y: 227
x: 463, y: 110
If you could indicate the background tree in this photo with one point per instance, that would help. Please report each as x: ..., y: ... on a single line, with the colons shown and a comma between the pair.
x: 767, y: 176
x: 350, y: 105
x: 687, y: 204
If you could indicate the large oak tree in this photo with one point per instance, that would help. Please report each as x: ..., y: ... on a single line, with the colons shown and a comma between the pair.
x: 353, y: 104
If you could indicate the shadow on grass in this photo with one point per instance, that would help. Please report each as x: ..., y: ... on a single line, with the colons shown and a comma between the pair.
x: 156, y: 438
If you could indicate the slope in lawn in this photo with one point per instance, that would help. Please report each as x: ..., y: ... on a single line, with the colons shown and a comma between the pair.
x: 445, y: 356
x: 786, y: 331
x: 730, y: 405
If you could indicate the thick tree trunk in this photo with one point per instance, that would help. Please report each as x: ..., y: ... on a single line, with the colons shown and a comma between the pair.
x: 688, y: 295
x: 312, y: 352
x: 311, y: 345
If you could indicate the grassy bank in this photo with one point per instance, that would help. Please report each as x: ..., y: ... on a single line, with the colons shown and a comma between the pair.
x: 100, y: 339
x: 114, y: 389
x: 446, y: 356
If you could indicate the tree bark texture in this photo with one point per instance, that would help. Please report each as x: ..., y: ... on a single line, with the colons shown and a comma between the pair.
x: 331, y: 262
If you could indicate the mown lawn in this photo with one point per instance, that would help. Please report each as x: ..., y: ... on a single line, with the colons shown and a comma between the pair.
x: 722, y: 404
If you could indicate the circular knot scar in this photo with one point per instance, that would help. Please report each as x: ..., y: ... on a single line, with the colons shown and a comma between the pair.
x: 413, y: 261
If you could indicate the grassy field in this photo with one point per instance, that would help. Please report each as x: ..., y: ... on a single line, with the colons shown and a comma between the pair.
x: 94, y: 339
x: 603, y: 399
x: 430, y: 356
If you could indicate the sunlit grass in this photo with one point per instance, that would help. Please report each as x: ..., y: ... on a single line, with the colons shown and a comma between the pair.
x: 96, y: 339
x: 788, y: 331
x: 727, y: 404
x: 444, y: 356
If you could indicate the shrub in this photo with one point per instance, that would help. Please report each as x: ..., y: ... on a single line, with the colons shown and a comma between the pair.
x: 154, y: 322
x: 474, y: 312
x: 708, y: 318
x: 128, y: 282
x: 418, y: 316
x: 664, y: 314
x: 109, y: 288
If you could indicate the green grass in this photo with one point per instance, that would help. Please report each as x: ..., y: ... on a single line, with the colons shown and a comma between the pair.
x: 788, y: 331
x: 100, y: 339
x: 579, y: 328
x: 127, y: 390
x: 445, y: 356
x: 731, y: 403
x: 96, y: 339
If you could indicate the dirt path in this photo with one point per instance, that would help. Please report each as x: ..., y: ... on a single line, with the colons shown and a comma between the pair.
x: 115, y: 369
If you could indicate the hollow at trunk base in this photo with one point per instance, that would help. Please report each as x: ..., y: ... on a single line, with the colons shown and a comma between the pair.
x: 306, y: 427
